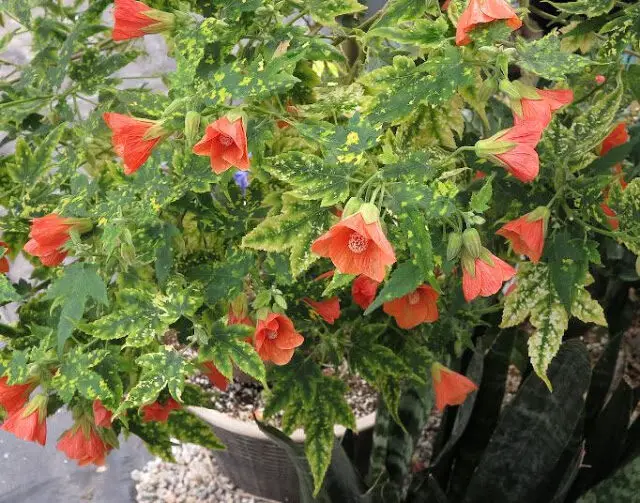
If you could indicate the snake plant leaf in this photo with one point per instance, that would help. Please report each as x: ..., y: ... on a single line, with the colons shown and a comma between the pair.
x: 536, y: 426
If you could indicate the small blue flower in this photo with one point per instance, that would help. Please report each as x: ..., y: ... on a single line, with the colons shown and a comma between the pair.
x: 242, y: 180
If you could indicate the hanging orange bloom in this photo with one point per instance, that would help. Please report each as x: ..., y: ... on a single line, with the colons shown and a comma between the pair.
x: 134, y: 19
x: 364, y: 290
x: 4, y: 263
x: 101, y: 415
x: 216, y: 378
x: 356, y: 247
x: 159, y: 412
x: 618, y: 136
x: 29, y: 421
x: 83, y: 444
x: 225, y: 142
x: 527, y: 233
x: 419, y: 306
x: 14, y: 396
x: 328, y: 309
x: 133, y: 139
x: 484, y: 275
x: 612, y: 216
x: 450, y: 387
x: 49, y: 234
x: 480, y: 12
x: 540, y: 110
x: 276, y: 339
x: 514, y: 150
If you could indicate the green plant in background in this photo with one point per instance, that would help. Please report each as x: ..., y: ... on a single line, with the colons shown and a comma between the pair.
x: 323, y: 187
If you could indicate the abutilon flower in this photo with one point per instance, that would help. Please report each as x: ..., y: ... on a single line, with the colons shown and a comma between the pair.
x: 539, y: 109
x: 483, y: 275
x: 216, y: 378
x: 514, y: 150
x: 612, y: 216
x: 14, y: 396
x: 527, y: 233
x: 356, y: 247
x: 133, y: 139
x: 618, y: 136
x: 480, y: 12
x: 29, y: 421
x: 101, y: 415
x: 238, y: 313
x: 328, y: 309
x: 291, y: 110
x: 159, y: 412
x: 419, y: 306
x: 82, y: 443
x: 450, y: 387
x: 276, y: 339
x: 49, y: 234
x: 135, y: 19
x: 4, y: 263
x: 225, y: 142
x: 600, y: 79
x: 364, y: 290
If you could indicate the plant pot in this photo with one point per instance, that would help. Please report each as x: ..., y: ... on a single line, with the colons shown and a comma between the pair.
x: 257, y: 465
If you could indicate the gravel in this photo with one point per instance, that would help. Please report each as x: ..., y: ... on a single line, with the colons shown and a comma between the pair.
x: 193, y: 478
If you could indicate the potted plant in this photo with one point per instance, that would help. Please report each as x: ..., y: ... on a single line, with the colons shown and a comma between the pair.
x: 377, y: 195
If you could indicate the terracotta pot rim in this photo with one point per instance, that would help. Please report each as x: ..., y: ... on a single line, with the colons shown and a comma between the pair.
x: 244, y: 428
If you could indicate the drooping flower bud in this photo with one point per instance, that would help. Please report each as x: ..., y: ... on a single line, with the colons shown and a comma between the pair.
x: 471, y: 242
x: 454, y: 245
x: 191, y: 127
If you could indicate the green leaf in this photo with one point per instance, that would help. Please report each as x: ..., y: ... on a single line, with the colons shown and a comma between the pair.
x: 258, y: 81
x: 430, y: 126
x: 313, y: 401
x: 480, y: 200
x: 76, y: 374
x: 338, y: 282
x: 591, y: 8
x: 17, y: 370
x: 424, y: 33
x: 7, y: 292
x: 188, y: 428
x: 223, y: 279
x: 412, y: 223
x: 568, y: 266
x: 30, y: 166
x: 536, y: 297
x: 325, y: 11
x: 404, y: 279
x: 587, y: 309
x: 397, y: 11
x: 299, y: 224
x: 536, y: 426
x: 170, y: 364
x: 310, y: 177
x: 545, y: 58
x: 155, y: 436
x: 79, y: 283
x: 432, y: 83
x: 226, y: 345
x: 164, y: 368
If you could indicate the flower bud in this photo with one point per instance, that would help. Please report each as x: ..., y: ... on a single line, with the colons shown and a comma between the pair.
x: 370, y: 213
x: 454, y: 245
x: 471, y: 242
x: 352, y: 206
x: 192, y: 127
